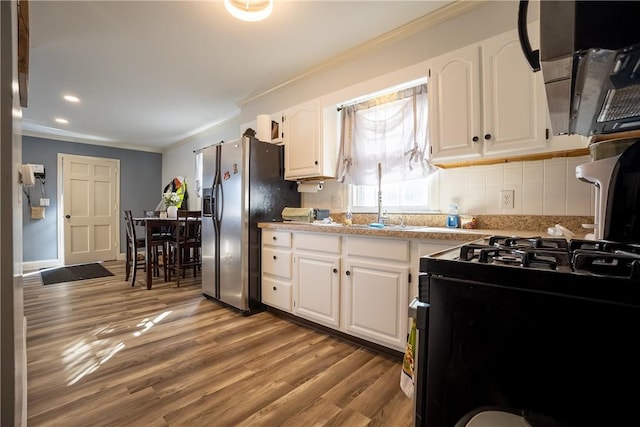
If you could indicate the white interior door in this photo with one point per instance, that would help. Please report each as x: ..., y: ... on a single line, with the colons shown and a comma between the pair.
x: 89, y: 208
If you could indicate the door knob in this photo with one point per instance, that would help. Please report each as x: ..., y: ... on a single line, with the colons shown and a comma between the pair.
x: 67, y: 216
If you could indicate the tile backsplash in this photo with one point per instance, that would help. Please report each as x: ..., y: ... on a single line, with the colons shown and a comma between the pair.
x: 540, y: 187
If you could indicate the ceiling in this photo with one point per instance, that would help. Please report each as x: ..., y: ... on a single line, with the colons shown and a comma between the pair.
x: 151, y: 73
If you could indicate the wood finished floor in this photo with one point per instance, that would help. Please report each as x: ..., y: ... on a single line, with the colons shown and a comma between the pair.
x: 101, y: 353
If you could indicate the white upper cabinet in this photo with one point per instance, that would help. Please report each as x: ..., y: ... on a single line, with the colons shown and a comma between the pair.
x: 309, y: 141
x: 454, y: 104
x: 485, y: 101
x: 514, y: 105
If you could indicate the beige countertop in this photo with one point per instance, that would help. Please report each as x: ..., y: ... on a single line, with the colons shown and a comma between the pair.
x: 396, y: 231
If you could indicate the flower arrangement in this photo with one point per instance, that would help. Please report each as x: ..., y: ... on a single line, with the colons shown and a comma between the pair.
x: 171, y: 199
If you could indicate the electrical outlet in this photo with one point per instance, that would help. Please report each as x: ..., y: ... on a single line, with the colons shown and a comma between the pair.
x: 44, y: 202
x: 506, y: 199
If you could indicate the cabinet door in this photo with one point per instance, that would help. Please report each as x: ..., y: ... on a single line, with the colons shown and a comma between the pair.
x: 376, y: 302
x: 454, y: 104
x: 514, y: 109
x: 317, y: 288
x: 302, y: 140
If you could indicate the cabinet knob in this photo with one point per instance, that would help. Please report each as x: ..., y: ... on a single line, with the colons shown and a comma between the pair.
x: 274, y: 238
x: 275, y: 257
x: 487, y: 136
x: 335, y: 270
x: 348, y: 273
x: 315, y: 163
x: 274, y: 288
x: 475, y: 139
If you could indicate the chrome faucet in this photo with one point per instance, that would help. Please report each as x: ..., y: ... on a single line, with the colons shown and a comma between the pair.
x: 379, y: 193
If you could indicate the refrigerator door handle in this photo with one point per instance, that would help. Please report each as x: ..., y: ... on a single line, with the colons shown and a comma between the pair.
x: 216, y: 188
x: 220, y: 206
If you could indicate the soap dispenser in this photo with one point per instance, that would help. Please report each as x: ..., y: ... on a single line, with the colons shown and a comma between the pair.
x: 453, y: 220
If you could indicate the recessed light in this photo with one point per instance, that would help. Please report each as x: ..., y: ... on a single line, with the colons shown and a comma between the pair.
x: 72, y: 98
x: 61, y: 120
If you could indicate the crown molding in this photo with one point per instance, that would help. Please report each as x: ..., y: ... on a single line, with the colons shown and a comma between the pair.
x: 66, y: 138
x: 419, y: 24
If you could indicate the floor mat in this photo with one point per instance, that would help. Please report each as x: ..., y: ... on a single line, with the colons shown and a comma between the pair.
x: 73, y: 273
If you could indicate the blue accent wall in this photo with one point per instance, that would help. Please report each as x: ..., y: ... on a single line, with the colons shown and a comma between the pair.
x: 140, y: 189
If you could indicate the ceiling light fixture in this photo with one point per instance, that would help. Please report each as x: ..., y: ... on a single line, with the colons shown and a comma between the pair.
x: 249, y: 10
x: 63, y: 121
x: 71, y: 98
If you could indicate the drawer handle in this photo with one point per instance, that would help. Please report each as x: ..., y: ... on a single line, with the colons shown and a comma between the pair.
x: 274, y: 257
x: 274, y: 288
x: 348, y: 273
x: 335, y: 270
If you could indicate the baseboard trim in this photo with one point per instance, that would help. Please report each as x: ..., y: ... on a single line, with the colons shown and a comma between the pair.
x: 395, y: 354
x: 37, y: 265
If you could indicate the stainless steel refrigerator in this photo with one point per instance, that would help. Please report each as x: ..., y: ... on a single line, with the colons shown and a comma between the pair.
x: 243, y: 184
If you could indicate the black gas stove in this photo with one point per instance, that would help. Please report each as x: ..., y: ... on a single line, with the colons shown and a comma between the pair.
x: 542, y: 326
x: 543, y: 264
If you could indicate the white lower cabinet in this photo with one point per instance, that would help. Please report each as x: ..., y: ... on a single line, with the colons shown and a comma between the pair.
x: 376, y: 288
x: 317, y: 296
x: 356, y: 285
x: 316, y: 278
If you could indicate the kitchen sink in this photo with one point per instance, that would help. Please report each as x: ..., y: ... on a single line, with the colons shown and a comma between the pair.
x: 394, y: 227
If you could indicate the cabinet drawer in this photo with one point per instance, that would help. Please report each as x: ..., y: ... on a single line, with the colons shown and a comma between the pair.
x: 276, y: 294
x: 317, y: 242
x: 276, y: 262
x: 276, y: 238
x: 388, y: 249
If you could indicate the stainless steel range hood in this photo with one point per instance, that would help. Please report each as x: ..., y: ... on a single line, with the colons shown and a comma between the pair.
x: 590, y: 60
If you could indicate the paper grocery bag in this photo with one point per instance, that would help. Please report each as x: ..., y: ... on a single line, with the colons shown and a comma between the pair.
x: 408, y: 363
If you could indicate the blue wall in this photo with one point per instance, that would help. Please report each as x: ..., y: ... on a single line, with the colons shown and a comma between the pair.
x: 140, y: 189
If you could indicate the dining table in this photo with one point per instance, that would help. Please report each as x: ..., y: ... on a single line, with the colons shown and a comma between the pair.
x: 151, y: 225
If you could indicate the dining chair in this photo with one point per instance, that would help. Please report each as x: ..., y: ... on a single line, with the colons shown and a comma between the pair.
x: 184, y: 249
x: 136, y: 245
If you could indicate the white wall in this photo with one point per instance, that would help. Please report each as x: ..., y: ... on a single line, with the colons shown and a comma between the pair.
x: 180, y: 159
x: 537, y: 185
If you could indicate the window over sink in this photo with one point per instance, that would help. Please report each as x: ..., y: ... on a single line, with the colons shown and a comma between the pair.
x: 384, y: 137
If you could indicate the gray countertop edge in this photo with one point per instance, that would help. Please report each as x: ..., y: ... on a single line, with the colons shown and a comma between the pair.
x: 421, y: 232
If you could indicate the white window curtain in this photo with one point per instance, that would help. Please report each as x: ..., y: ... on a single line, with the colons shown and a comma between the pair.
x: 390, y: 130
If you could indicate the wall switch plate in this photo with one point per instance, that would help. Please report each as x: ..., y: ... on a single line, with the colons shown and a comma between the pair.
x: 44, y: 202
x: 506, y: 199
